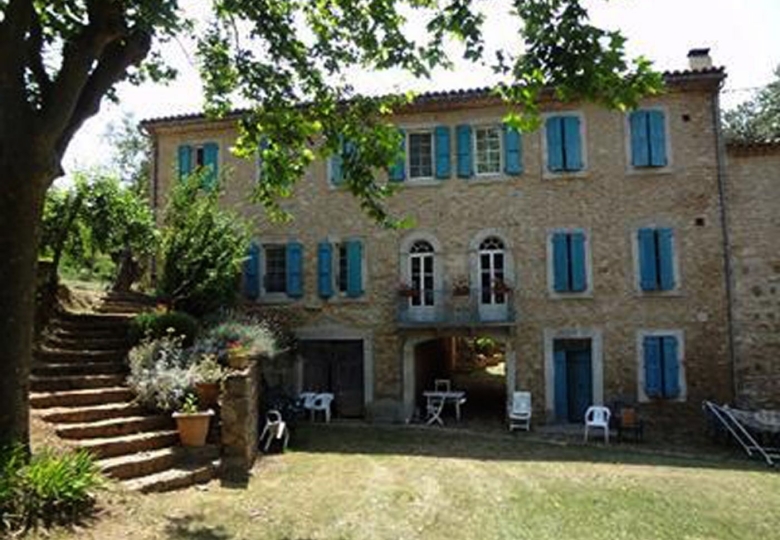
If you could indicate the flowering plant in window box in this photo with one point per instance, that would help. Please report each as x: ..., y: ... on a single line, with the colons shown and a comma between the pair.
x: 406, y: 291
x: 501, y: 287
x: 460, y: 287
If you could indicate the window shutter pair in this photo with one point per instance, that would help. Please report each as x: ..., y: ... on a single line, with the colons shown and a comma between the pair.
x: 564, y: 145
x: 648, y: 139
x: 337, y: 162
x: 662, y: 366
x: 569, y: 267
x: 210, y: 163
x: 354, y: 269
x: 513, y: 151
x: 656, y: 259
x: 252, y: 272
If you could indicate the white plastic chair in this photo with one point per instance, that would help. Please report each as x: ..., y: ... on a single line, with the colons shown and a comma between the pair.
x: 442, y: 385
x: 434, y: 408
x: 275, y: 428
x: 520, y: 413
x: 321, y: 402
x: 597, y: 416
x: 306, y: 399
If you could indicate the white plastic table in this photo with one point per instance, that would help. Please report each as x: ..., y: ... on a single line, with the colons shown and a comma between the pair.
x: 456, y: 396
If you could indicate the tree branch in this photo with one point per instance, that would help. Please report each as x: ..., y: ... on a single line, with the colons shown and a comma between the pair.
x: 35, y: 56
x: 12, y: 35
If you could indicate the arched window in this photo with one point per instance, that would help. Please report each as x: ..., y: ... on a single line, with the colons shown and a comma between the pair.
x: 421, y: 273
x: 492, y: 271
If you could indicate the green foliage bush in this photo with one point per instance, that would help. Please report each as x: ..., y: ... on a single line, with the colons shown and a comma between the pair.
x: 203, y: 250
x: 155, y: 325
x: 51, y: 488
x: 160, y: 373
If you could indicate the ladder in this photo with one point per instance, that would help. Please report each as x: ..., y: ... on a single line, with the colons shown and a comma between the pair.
x: 741, y: 434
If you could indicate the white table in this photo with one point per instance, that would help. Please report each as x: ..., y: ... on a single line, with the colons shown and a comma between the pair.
x: 458, y: 397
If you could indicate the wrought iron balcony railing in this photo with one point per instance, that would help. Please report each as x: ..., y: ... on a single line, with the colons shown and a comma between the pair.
x: 456, y: 307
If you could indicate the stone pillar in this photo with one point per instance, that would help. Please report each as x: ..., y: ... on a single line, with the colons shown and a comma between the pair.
x: 240, y: 417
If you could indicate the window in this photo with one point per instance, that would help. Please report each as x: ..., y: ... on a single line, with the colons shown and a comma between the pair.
x: 492, y: 271
x: 342, y: 271
x: 421, y: 272
x: 487, y: 141
x: 275, y: 275
x: 648, y: 138
x: 662, y: 373
x: 192, y: 157
x: 569, y: 262
x: 420, y: 155
x: 656, y: 259
x: 342, y: 274
x: 564, y: 143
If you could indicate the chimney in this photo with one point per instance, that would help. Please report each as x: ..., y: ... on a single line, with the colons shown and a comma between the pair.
x: 699, y: 59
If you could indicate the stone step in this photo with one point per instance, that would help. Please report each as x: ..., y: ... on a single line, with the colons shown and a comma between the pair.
x: 128, y: 444
x: 114, y: 427
x: 61, y: 356
x: 173, y: 479
x: 91, y: 413
x: 75, y: 342
x: 74, y: 382
x: 74, y: 398
x: 93, y: 320
x: 154, y: 461
x: 88, y: 332
x: 79, y: 368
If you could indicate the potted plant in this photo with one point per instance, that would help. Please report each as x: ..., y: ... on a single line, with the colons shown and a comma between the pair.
x: 193, y: 424
x: 460, y: 287
x: 207, y: 376
x: 501, y: 287
x: 405, y: 291
x: 238, y: 355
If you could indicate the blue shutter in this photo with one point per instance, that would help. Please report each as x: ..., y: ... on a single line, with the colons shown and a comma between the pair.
x: 640, y: 144
x: 561, y: 393
x: 652, y: 347
x: 657, y: 132
x: 354, y: 268
x: 554, y: 130
x: 294, y: 270
x: 185, y: 161
x: 211, y: 164
x: 397, y: 172
x: 579, y: 279
x: 671, y: 367
x: 560, y: 263
x: 442, y: 135
x: 666, y: 255
x: 325, y: 269
x: 648, y: 273
x: 336, y: 169
x: 572, y: 143
x: 513, y: 151
x: 465, y: 165
x: 252, y: 272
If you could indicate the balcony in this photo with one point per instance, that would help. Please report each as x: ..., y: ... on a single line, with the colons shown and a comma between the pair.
x: 445, y: 308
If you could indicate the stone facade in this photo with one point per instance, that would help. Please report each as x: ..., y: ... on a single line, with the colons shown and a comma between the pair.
x: 609, y: 200
x: 753, y: 195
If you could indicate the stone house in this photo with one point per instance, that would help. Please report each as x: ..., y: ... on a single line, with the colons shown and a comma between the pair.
x: 594, y: 250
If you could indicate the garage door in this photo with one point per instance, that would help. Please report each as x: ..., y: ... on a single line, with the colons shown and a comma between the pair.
x: 336, y: 367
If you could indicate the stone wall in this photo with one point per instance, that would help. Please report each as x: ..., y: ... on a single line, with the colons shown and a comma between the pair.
x: 240, y: 417
x: 754, y: 226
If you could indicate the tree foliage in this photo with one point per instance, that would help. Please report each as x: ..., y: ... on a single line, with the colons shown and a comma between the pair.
x: 757, y: 119
x: 203, y: 250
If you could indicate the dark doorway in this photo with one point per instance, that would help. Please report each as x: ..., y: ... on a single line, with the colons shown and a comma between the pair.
x: 335, y: 366
x: 573, y: 379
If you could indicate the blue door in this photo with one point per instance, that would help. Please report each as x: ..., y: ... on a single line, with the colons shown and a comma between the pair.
x: 573, y: 379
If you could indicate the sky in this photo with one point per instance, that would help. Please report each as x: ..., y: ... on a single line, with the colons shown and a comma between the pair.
x: 743, y: 37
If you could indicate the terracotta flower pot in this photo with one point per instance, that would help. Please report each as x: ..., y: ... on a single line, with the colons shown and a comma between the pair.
x: 193, y: 427
x: 238, y: 359
x: 208, y: 393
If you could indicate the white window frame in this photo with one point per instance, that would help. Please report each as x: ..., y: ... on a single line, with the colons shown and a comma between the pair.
x: 584, y: 171
x: 265, y: 296
x: 630, y: 169
x: 677, y: 290
x: 486, y: 127
x: 438, y: 276
x: 408, y: 157
x: 588, y: 292
x: 640, y: 372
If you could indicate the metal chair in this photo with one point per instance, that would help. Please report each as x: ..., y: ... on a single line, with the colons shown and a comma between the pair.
x: 597, y: 416
x: 520, y: 413
x: 275, y: 429
x: 433, y: 408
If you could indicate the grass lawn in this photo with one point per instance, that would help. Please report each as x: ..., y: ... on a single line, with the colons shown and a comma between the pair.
x: 359, y: 482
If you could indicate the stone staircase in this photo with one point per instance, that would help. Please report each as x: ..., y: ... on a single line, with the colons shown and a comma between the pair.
x: 78, y: 386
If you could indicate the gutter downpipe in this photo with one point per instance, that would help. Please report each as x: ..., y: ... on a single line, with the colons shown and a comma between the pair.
x: 720, y: 152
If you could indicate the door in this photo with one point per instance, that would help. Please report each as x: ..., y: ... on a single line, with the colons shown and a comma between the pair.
x: 335, y: 366
x: 422, y: 275
x: 573, y: 379
x: 492, y: 294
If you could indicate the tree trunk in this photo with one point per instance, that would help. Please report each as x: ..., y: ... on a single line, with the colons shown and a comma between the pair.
x: 21, y: 197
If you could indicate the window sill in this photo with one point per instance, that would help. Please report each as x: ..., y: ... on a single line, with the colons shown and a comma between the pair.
x: 488, y: 179
x: 587, y: 295
x: 676, y: 293
x: 564, y: 175
x: 277, y: 298
x: 337, y: 300
x: 422, y: 182
x: 649, y: 171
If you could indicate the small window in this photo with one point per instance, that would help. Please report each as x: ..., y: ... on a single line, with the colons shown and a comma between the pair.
x: 342, y: 274
x: 420, y: 155
x: 661, y: 356
x: 275, y: 275
x: 200, y: 156
x: 648, y: 138
x: 569, y: 262
x: 488, y: 150
x: 656, y: 260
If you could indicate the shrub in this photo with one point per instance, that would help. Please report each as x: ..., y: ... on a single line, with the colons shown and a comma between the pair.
x: 52, y: 488
x: 155, y: 325
x: 249, y: 333
x: 160, y: 373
